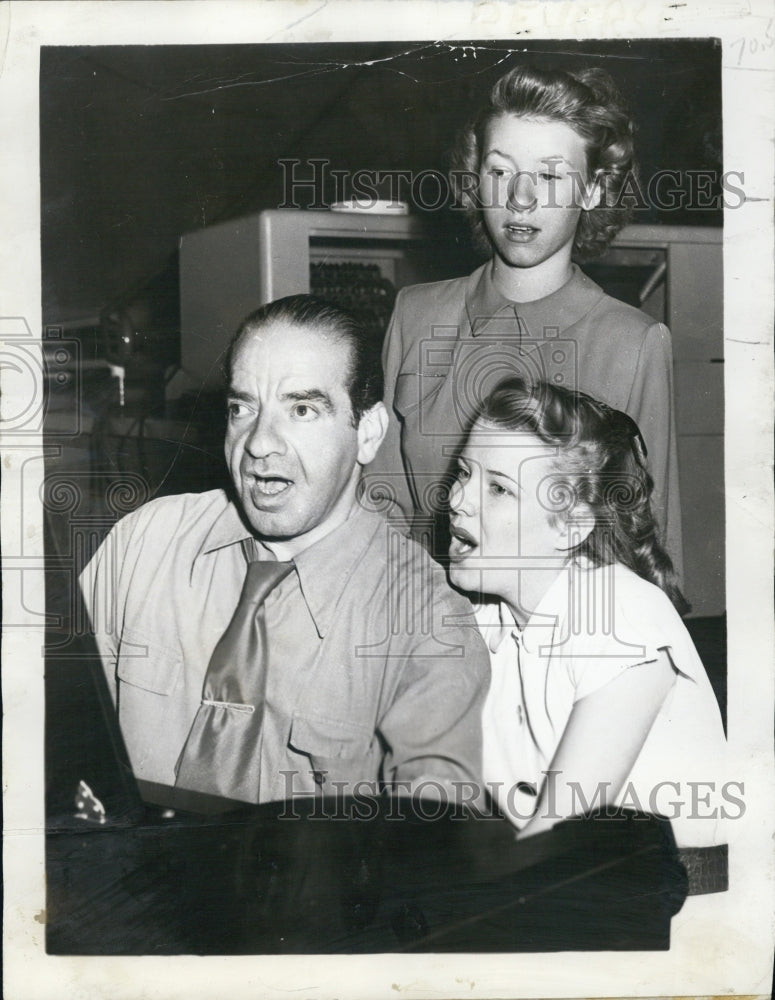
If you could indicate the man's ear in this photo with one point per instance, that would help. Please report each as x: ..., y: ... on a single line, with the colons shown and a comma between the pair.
x: 372, y: 428
x: 575, y: 528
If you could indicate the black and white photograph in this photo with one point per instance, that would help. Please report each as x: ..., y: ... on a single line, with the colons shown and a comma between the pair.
x: 387, y: 529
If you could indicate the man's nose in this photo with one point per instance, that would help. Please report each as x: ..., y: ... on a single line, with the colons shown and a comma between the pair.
x: 265, y: 436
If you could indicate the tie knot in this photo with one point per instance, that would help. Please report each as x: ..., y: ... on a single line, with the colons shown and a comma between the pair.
x: 263, y: 576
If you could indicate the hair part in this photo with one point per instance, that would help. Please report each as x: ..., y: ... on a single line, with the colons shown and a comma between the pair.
x: 602, y: 465
x: 363, y: 378
x: 591, y: 104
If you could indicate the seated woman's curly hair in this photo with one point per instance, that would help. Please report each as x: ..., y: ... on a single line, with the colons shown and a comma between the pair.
x: 601, y: 463
x: 590, y: 103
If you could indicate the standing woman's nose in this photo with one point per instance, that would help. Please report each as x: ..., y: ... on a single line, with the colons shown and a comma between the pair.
x: 522, y: 196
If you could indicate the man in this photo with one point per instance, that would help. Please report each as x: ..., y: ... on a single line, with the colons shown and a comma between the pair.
x: 360, y: 664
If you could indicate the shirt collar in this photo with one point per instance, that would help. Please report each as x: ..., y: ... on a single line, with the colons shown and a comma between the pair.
x: 507, y: 625
x: 496, y: 622
x: 485, y: 303
x: 325, y: 567
x: 227, y: 529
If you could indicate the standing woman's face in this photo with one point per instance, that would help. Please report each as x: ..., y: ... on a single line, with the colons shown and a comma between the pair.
x: 532, y: 185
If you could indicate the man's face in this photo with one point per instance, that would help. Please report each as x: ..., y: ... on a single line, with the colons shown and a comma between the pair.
x: 291, y: 447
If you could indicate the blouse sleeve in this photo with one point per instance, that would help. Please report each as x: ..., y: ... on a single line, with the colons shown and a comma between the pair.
x: 592, y: 671
x: 651, y: 405
x: 626, y: 624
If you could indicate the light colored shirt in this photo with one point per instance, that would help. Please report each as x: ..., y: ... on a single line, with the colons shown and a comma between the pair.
x: 376, y: 672
x: 450, y: 342
x: 589, y: 627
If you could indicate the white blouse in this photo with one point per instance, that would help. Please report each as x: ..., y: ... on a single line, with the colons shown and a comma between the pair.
x: 591, y: 625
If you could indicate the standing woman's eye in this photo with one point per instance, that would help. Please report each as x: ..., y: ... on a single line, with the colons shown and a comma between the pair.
x: 497, y: 490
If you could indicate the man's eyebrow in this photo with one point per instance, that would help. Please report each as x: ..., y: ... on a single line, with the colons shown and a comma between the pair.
x: 297, y: 396
x: 310, y: 396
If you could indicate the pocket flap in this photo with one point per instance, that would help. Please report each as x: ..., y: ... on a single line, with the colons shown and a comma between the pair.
x: 413, y: 388
x: 147, y: 665
x: 328, y: 738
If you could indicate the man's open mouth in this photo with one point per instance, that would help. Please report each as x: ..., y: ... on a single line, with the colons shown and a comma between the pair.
x: 270, y: 486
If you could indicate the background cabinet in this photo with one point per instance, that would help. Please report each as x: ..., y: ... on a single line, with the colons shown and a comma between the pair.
x: 690, y: 300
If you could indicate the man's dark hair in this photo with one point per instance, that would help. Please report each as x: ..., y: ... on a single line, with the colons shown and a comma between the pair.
x: 363, y: 379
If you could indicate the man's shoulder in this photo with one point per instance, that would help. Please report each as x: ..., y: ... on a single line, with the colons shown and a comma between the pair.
x: 408, y: 566
x: 170, y: 514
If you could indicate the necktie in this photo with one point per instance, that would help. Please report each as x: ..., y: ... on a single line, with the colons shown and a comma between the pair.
x: 223, y: 750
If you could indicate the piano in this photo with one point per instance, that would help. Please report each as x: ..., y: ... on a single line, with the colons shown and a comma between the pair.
x: 132, y: 871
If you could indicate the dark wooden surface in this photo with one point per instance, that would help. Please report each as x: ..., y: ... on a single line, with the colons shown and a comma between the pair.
x: 322, y: 875
x: 263, y: 883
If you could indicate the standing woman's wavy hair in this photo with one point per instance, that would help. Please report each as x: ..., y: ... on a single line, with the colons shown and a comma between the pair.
x: 601, y: 463
x: 591, y: 104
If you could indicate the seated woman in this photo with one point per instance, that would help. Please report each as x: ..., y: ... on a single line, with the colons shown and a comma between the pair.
x: 598, y: 696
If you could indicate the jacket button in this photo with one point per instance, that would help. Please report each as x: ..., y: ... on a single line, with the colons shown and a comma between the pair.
x: 318, y: 777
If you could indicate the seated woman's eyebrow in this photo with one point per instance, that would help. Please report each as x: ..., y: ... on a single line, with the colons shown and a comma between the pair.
x: 503, y: 475
x: 311, y: 396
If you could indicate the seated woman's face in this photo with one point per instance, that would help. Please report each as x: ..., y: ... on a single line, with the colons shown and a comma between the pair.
x: 502, y: 519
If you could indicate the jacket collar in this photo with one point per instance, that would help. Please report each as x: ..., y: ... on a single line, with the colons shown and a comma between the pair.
x: 490, y: 311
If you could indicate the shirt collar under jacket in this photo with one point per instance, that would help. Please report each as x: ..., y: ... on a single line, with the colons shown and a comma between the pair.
x: 323, y: 569
x: 564, y: 307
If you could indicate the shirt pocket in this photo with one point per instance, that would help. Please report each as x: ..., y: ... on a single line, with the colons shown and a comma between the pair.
x: 338, y: 751
x: 146, y: 664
